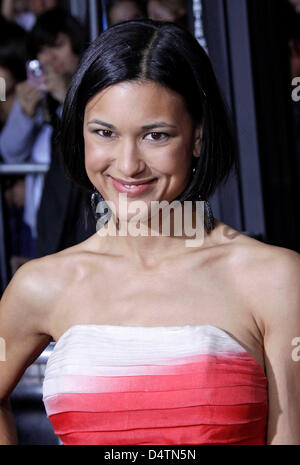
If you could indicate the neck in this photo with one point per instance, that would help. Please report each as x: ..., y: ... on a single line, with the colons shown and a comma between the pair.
x: 164, y: 235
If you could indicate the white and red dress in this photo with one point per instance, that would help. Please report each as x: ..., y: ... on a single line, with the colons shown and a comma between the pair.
x: 107, y: 384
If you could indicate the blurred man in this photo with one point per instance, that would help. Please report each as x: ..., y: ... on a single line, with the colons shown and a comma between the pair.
x: 296, y: 5
x: 124, y: 10
x: 168, y: 10
x: 38, y: 7
x: 25, y: 12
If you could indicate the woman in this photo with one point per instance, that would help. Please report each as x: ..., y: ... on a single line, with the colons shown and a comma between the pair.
x: 157, y: 342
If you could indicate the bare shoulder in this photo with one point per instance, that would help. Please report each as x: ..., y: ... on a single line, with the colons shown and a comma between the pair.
x: 26, y: 309
x: 38, y: 283
x: 269, y: 277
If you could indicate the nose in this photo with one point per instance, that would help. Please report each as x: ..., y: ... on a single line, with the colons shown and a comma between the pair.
x: 129, y: 161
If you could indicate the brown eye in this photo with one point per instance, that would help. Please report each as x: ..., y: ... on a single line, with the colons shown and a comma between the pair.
x: 104, y: 132
x: 158, y: 136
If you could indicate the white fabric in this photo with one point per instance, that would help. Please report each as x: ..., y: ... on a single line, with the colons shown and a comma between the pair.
x: 83, y: 348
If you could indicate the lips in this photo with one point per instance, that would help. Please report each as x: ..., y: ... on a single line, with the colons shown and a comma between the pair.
x: 136, y: 189
x: 134, y: 183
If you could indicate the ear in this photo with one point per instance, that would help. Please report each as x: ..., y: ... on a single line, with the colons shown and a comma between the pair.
x: 197, y: 140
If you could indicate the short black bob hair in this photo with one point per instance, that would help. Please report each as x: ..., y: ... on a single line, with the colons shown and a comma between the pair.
x: 163, y: 52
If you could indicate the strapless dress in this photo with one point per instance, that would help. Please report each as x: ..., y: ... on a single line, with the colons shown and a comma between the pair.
x: 107, y: 384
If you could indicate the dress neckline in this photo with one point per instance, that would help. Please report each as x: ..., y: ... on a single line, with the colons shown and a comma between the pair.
x: 124, y: 328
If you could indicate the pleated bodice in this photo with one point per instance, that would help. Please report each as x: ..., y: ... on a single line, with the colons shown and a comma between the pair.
x: 108, y: 384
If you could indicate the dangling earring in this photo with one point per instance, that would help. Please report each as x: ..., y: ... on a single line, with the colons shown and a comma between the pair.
x: 209, y: 224
x: 103, y: 218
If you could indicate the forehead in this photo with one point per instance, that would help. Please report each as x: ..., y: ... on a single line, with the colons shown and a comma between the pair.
x: 147, y: 99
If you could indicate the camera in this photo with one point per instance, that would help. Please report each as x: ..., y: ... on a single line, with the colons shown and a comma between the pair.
x: 35, y: 73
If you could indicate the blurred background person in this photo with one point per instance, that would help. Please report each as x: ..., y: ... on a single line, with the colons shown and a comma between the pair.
x: 25, y: 12
x: 168, y: 10
x: 39, y: 7
x: 123, y: 10
x: 296, y: 5
x: 17, y: 11
x: 294, y: 39
x: 52, y: 203
x: 12, y: 69
x: 12, y: 61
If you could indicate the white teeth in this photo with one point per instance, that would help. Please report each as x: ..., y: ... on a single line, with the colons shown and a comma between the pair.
x: 130, y: 186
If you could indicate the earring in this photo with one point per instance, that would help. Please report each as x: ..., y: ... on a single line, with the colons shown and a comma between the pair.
x: 209, y: 220
x: 210, y: 224
x: 101, y: 218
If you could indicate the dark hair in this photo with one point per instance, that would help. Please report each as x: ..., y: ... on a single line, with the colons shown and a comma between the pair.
x: 166, y: 53
x: 13, y: 57
x: 13, y: 52
x: 50, y: 24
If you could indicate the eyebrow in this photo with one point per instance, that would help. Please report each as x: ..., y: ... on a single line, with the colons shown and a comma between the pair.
x: 156, y: 124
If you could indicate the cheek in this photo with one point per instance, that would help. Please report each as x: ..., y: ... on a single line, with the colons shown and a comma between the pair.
x: 95, y: 158
x: 176, y: 162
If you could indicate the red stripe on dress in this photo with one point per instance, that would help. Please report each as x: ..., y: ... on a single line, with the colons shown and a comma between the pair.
x: 247, y: 433
x: 70, y: 422
x: 109, y: 402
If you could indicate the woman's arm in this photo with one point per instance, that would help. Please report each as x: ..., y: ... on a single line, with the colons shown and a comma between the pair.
x: 23, y: 329
x: 279, y: 300
x: 8, y: 432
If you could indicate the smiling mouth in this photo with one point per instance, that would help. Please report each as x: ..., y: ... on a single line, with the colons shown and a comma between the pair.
x: 133, y: 183
x: 130, y: 188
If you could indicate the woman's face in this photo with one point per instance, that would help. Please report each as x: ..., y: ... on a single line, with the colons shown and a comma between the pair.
x: 138, y: 132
